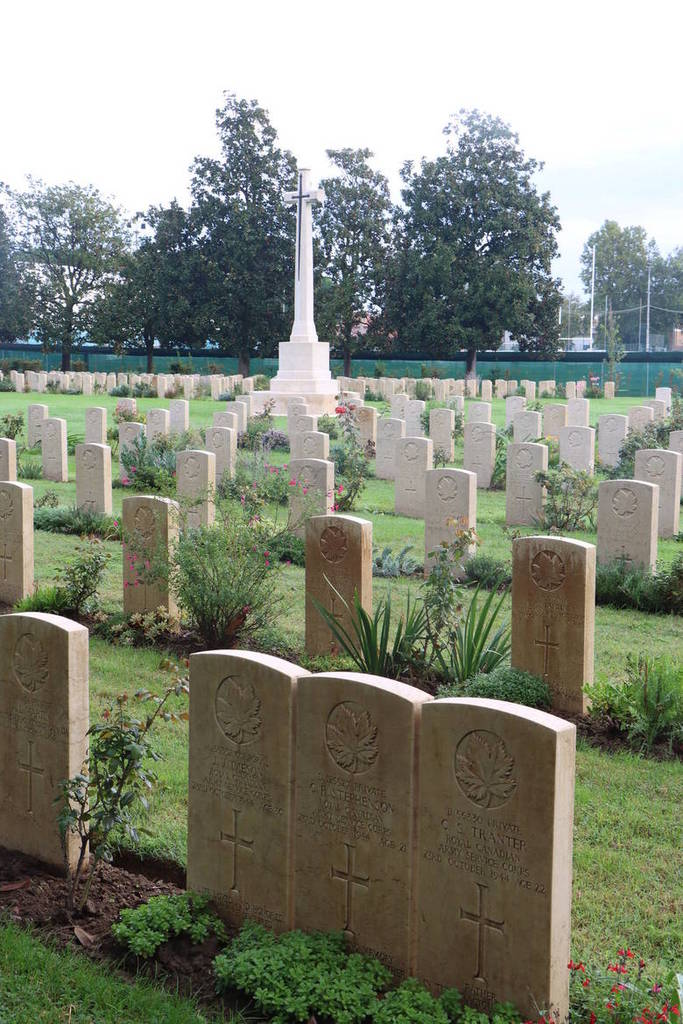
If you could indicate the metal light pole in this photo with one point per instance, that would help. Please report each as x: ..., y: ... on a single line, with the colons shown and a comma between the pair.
x: 592, y: 297
x: 647, y: 321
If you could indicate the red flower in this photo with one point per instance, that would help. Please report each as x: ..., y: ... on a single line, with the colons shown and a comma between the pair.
x: 340, y: 409
x: 585, y: 982
x: 593, y: 1018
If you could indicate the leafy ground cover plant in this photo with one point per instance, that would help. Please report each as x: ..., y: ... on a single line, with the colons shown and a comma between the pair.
x: 658, y: 592
x: 29, y: 469
x: 96, y: 804
x: 647, y: 705
x: 296, y: 977
x: 571, y: 499
x: 149, y: 465
x: 490, y: 573
x: 389, y: 564
x: 73, y: 520
x: 504, y: 683
x: 143, y: 929
x: 12, y: 423
x: 369, y: 642
x: 329, y: 425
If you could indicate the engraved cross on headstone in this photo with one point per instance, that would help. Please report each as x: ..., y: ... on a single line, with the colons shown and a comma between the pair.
x: 624, y: 557
x: 482, y: 922
x: 236, y: 843
x: 546, y: 644
x: 5, y: 558
x: 31, y: 769
x: 523, y: 498
x: 350, y: 879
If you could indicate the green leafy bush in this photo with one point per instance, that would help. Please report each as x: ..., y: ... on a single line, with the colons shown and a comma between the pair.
x: 149, y: 466
x: 48, y: 499
x: 143, y: 929
x: 352, y: 465
x: 142, y: 390
x: 659, y: 592
x: 388, y: 564
x: 121, y: 391
x: 368, y: 642
x: 78, y: 583
x: 647, y: 705
x: 256, y: 480
x: 499, y: 474
x: 490, y: 573
x: 6, y: 384
x: 12, y: 423
x: 73, y: 520
x: 423, y: 390
x: 294, y: 977
x: 571, y: 499
x: 477, y: 644
x: 141, y: 629
x: 222, y: 578
x: 261, y: 382
x: 329, y: 425
x: 410, y: 1003
x: 505, y: 683
x: 29, y: 469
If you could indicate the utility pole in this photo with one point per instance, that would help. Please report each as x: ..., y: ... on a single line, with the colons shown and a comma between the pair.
x: 605, y: 329
x: 647, y: 321
x: 592, y: 297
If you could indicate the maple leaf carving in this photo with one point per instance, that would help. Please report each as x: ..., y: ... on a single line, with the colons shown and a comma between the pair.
x: 238, y: 710
x: 547, y: 570
x: 351, y: 737
x: 30, y: 663
x: 484, y: 769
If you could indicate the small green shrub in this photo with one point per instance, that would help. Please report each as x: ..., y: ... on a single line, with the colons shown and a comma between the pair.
x: 490, y: 573
x: 256, y: 481
x: 141, y: 390
x: 121, y: 391
x: 329, y: 425
x: 296, y: 977
x: 142, y: 629
x: 352, y: 464
x: 423, y: 390
x: 648, y: 705
x: 73, y: 520
x: 410, y: 1003
x: 78, y: 582
x: 222, y: 578
x: 261, y: 382
x: 660, y: 592
x: 143, y: 929
x: 505, y: 683
x: 51, y: 600
x: 12, y: 423
x: 387, y: 564
x: 6, y: 384
x: 149, y: 466
x: 571, y: 499
x: 48, y: 499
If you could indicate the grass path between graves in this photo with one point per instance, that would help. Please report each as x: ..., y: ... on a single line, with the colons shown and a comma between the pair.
x: 40, y: 984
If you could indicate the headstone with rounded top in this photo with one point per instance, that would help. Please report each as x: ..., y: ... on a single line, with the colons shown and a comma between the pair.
x: 663, y: 467
x: 577, y: 448
x: 16, y: 541
x: 554, y: 419
x: 664, y: 395
x: 179, y: 415
x: 35, y: 417
x: 8, y: 458
x: 450, y: 507
x: 553, y: 615
x: 314, y: 444
x: 389, y: 430
x: 441, y: 427
x: 524, y: 495
x: 129, y: 433
x: 223, y: 443
x: 414, y: 457
x: 480, y: 451
x: 158, y: 423
x: 530, y: 390
x: 513, y: 406
x: 53, y: 450
x: 95, y: 425
x: 44, y: 726
x: 675, y: 441
x: 479, y: 412
x: 414, y: 411
x: 658, y: 407
x: 150, y: 529
x: 609, y: 389
x: 578, y: 412
x: 486, y: 391
x: 240, y: 794
x: 196, y: 486
x: 93, y: 478
x: 311, y: 491
x: 338, y: 567
x: 628, y: 512
x: 612, y: 430
x: 355, y: 794
x: 639, y: 416
x: 367, y: 425
x: 527, y: 426
x: 495, y: 854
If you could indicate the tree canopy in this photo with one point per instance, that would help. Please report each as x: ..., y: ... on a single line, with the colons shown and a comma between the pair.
x: 473, y: 247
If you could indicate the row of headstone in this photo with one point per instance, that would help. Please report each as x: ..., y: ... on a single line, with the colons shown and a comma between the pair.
x: 311, y: 805
x: 163, y: 383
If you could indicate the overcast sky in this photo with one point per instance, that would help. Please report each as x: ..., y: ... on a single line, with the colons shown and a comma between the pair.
x: 123, y: 94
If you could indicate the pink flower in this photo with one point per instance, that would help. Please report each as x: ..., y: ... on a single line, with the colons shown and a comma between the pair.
x: 304, y: 490
x: 132, y: 469
x: 292, y: 483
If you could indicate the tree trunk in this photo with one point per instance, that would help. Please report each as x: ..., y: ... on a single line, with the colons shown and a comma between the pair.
x: 66, y: 356
x: 149, y: 349
x: 347, y: 362
x: 471, y: 367
x: 243, y: 363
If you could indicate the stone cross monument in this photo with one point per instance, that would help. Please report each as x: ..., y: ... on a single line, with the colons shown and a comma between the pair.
x: 304, y: 362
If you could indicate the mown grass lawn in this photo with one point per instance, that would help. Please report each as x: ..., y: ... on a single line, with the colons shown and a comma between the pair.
x: 627, y: 850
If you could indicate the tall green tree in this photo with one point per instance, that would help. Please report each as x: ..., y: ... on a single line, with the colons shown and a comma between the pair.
x: 621, y: 262
x: 159, y: 292
x: 16, y: 291
x: 245, y: 232
x: 474, y: 245
x: 73, y: 240
x: 353, y: 235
